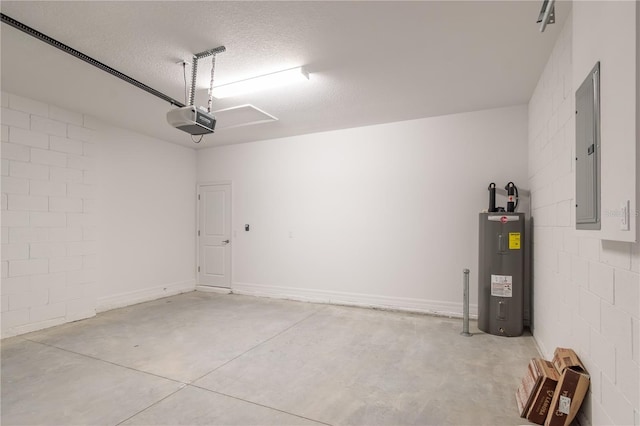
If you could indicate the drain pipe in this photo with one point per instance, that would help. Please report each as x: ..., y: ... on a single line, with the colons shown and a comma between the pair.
x: 465, y: 303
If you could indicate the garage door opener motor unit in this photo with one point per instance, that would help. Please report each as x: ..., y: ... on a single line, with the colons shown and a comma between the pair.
x: 501, y: 266
x: 188, y: 118
x: 196, y: 121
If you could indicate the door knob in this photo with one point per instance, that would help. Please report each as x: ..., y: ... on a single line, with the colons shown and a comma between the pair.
x: 226, y: 241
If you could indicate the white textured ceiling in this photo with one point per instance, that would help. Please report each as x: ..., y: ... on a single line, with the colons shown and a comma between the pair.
x: 369, y: 62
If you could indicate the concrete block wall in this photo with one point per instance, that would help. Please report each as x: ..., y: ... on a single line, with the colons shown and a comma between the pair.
x: 48, y: 225
x: 586, y: 290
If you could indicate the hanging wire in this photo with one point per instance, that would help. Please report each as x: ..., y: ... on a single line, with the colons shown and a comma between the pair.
x: 197, y: 141
x: 184, y: 74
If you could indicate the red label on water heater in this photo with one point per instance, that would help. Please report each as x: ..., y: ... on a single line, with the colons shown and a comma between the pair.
x: 504, y: 219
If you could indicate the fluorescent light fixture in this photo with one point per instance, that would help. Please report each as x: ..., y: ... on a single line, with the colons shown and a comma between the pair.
x: 255, y: 84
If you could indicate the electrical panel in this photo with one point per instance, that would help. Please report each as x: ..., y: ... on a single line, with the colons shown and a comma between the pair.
x: 588, y: 152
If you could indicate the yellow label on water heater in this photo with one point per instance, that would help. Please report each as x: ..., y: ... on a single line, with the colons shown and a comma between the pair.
x: 514, y: 241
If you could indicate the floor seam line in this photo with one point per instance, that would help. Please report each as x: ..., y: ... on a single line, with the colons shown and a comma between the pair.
x: 258, y: 404
x: 105, y: 361
x: 184, y: 385
x: 259, y: 344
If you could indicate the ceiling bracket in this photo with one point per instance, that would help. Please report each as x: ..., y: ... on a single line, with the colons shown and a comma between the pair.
x: 194, y: 71
x: 547, y: 14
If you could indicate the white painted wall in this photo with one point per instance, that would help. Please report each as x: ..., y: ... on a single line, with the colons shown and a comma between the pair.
x: 93, y: 217
x: 586, y: 289
x: 147, y: 218
x: 382, y: 215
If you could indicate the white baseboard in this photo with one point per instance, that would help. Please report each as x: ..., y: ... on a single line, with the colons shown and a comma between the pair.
x: 28, y: 328
x: 432, y: 307
x: 133, y: 297
x: 540, y: 347
x: 211, y: 289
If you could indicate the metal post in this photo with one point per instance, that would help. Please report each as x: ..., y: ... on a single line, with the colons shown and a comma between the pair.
x: 465, y: 304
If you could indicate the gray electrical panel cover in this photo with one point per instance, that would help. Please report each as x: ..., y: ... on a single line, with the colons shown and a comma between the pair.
x: 588, y: 152
x: 501, y: 273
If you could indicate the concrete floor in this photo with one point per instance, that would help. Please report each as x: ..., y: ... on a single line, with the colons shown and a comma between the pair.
x: 212, y: 359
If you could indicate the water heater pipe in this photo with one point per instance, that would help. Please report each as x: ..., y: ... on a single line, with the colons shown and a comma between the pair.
x: 465, y: 303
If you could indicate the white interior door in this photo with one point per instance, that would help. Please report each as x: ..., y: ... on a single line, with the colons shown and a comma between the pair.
x: 214, y: 235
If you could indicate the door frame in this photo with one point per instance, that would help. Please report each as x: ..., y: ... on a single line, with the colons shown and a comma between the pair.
x: 199, y: 286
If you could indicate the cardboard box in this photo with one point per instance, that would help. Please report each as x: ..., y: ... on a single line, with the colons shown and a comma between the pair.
x: 564, y: 358
x: 523, y: 393
x: 535, y: 393
x: 571, y: 388
x: 541, y: 399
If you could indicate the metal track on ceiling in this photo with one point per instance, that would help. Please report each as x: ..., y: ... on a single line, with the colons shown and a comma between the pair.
x: 88, y: 59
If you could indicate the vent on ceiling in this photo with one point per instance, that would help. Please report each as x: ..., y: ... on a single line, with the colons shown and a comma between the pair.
x: 243, y: 115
